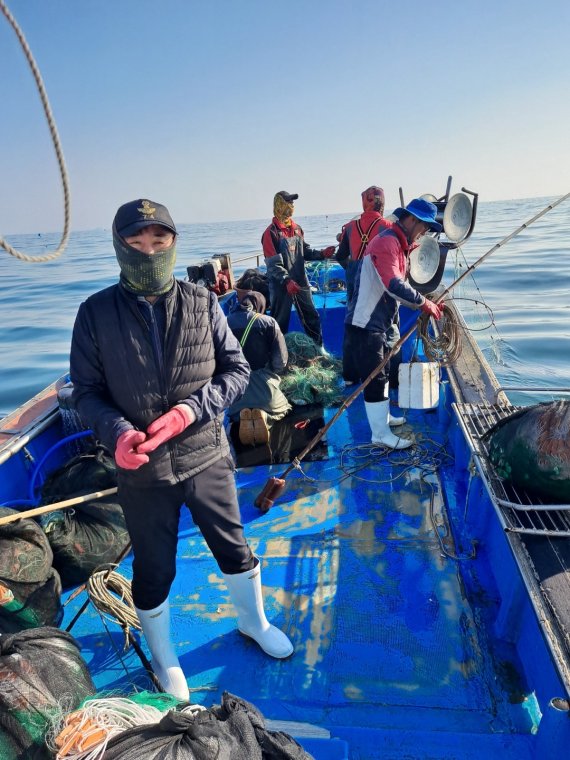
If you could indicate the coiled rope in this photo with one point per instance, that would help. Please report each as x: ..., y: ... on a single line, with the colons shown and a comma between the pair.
x: 445, y: 347
x: 56, y: 144
x: 111, y: 594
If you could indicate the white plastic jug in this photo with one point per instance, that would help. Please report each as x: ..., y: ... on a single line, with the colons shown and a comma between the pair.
x: 418, y: 385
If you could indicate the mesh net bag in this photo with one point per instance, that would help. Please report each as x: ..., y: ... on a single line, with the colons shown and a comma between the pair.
x: 41, y: 673
x: 92, y: 533
x: 30, y: 588
x: 311, y: 377
x: 235, y: 729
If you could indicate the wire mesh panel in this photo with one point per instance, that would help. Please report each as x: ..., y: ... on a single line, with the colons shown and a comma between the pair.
x: 522, y: 512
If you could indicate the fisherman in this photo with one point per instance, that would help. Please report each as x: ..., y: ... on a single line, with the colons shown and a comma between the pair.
x: 380, y: 287
x: 356, y: 234
x: 154, y: 365
x: 285, y: 251
x: 264, y: 347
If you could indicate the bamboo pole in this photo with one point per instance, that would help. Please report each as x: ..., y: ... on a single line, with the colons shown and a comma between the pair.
x: 58, y: 505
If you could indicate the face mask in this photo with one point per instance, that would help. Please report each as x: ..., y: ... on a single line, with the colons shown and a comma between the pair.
x: 143, y: 274
x: 282, y: 210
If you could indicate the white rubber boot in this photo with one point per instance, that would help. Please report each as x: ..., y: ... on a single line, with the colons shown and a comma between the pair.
x: 156, y: 628
x: 377, y: 414
x: 395, y: 421
x: 247, y: 598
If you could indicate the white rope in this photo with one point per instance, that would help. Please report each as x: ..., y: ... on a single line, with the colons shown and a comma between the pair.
x: 56, y: 144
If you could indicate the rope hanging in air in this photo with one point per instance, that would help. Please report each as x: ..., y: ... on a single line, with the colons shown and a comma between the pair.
x: 56, y: 144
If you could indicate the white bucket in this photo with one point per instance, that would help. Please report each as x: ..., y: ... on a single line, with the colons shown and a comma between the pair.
x: 418, y: 385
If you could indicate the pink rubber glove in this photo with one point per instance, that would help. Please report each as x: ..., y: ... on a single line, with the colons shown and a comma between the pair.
x: 126, y: 455
x: 166, y: 427
x: 292, y: 288
x: 435, y: 310
x: 328, y: 252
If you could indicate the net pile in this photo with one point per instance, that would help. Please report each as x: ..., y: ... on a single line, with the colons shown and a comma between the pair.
x: 91, y: 534
x: 31, y: 587
x: 41, y: 672
x: 311, y: 376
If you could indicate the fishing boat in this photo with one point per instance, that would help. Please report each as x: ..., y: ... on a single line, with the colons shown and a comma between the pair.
x: 426, y: 598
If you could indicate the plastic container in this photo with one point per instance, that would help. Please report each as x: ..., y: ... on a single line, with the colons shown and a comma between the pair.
x: 418, y: 385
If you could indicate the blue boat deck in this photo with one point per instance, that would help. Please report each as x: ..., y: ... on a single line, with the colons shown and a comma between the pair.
x: 366, y: 566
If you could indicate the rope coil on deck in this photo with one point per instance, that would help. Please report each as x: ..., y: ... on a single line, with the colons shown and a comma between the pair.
x: 111, y: 594
x: 56, y: 144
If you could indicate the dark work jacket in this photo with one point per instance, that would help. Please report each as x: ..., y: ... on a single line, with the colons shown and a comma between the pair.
x: 265, y: 345
x: 285, y: 253
x: 125, y: 377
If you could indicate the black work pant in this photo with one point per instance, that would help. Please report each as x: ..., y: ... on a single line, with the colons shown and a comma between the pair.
x: 281, y: 304
x: 152, y: 515
x: 362, y: 351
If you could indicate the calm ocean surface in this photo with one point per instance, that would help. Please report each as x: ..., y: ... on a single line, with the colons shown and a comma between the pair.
x: 524, y: 329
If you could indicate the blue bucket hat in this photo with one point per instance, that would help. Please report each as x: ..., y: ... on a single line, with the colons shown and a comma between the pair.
x: 422, y: 210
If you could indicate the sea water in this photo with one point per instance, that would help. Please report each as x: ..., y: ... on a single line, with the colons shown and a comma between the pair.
x: 517, y: 302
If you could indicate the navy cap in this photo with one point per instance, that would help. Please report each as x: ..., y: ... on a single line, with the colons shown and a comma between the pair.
x: 135, y: 215
x: 289, y: 197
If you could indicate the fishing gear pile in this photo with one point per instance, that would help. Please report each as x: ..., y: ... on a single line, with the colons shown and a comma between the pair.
x: 311, y: 376
x: 85, y: 732
x: 530, y: 449
x: 235, y: 729
x: 30, y: 588
x: 94, y: 532
x: 41, y: 670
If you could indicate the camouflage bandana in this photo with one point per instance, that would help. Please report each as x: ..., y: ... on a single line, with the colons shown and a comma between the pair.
x: 282, y: 210
x: 143, y: 274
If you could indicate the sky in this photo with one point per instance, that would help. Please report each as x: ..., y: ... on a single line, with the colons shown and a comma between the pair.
x: 212, y: 106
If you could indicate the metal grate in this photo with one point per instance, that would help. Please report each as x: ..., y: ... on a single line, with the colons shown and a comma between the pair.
x: 519, y: 511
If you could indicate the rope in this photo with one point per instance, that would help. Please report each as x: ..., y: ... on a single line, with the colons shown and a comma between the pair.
x: 111, y: 594
x: 56, y: 144
x: 445, y: 348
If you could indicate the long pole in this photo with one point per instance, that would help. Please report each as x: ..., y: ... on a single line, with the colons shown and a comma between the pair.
x: 274, y: 486
x: 57, y: 505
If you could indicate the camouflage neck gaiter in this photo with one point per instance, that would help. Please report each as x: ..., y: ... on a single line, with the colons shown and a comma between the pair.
x: 283, y: 210
x: 143, y: 274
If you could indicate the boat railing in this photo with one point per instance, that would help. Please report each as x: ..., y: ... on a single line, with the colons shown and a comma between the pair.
x: 528, y: 389
x: 257, y: 257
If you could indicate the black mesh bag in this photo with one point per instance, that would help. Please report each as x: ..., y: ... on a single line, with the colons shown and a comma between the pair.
x: 235, y: 729
x: 91, y: 533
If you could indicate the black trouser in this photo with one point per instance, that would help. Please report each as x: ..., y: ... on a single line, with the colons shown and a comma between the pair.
x: 281, y: 304
x: 362, y: 352
x: 152, y: 515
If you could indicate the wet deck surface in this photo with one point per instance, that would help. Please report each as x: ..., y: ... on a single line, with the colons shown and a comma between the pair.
x: 358, y: 568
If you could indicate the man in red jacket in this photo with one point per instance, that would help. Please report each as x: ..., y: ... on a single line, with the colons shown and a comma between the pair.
x: 285, y: 251
x: 357, y: 233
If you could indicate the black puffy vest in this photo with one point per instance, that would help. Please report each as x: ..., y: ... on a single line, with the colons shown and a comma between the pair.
x: 143, y: 391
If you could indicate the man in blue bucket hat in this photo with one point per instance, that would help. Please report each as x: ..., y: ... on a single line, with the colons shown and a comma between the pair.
x: 372, y: 314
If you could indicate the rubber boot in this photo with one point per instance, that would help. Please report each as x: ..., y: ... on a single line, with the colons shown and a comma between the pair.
x: 377, y: 414
x: 156, y: 628
x: 247, y: 598
x: 395, y: 421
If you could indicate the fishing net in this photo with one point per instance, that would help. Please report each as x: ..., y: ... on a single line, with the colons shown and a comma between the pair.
x: 235, y: 729
x: 85, y: 733
x: 531, y: 450
x: 311, y: 376
x: 30, y: 587
x: 41, y: 671
x: 91, y: 533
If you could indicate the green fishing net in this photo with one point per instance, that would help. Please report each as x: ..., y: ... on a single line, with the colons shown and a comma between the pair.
x: 311, y: 376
